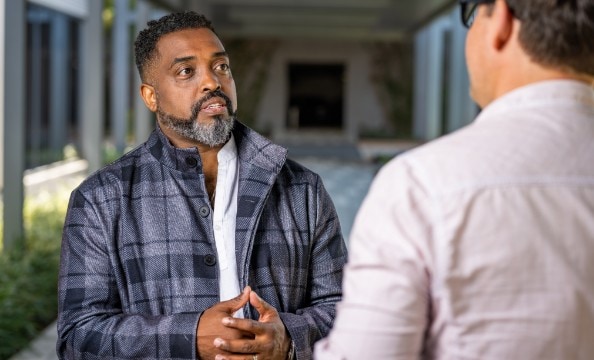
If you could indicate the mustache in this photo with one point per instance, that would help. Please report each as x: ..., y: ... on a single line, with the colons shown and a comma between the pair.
x: 213, y: 94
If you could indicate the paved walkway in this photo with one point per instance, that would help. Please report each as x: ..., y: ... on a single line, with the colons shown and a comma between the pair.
x: 42, y: 348
x: 347, y: 183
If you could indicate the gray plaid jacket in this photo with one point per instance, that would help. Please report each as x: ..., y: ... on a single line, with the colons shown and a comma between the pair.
x: 139, y: 264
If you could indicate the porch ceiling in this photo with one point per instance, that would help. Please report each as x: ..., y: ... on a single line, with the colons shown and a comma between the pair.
x: 333, y: 19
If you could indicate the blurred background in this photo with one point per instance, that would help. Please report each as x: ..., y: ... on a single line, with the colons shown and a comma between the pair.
x: 345, y: 85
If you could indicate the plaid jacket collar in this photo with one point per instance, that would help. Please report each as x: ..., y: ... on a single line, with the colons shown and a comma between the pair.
x: 257, y: 150
x: 251, y: 147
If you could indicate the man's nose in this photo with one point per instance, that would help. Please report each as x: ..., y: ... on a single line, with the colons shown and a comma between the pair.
x: 210, y: 81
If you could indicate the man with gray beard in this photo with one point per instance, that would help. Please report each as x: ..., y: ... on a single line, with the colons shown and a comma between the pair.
x: 204, y: 242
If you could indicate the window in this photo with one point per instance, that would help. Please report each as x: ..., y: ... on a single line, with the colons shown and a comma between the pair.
x: 52, y: 84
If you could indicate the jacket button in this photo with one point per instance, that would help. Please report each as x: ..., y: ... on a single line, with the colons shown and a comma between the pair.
x: 204, y: 211
x: 210, y: 260
x: 192, y: 162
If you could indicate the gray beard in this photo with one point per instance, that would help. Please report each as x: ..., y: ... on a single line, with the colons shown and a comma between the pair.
x: 212, y: 134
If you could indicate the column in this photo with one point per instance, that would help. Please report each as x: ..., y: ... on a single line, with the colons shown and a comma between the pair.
x: 120, y: 83
x: 420, y: 83
x: 59, y: 80
x: 435, y: 77
x: 143, y: 119
x: 35, y: 95
x: 92, y: 109
x: 429, y: 80
x: 12, y: 104
x: 458, y: 88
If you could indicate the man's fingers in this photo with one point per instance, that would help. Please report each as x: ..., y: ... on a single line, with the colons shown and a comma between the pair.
x: 241, y: 346
x: 245, y: 325
x: 265, y: 310
x: 270, y: 340
x: 232, y: 305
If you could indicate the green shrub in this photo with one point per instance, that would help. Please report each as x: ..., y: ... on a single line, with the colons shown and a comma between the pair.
x: 29, y: 274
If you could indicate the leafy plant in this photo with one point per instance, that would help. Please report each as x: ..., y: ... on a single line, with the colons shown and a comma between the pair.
x: 250, y: 67
x: 391, y: 76
x: 29, y: 273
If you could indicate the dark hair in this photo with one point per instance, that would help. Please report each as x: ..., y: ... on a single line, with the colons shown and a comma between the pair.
x: 146, y: 41
x: 557, y: 33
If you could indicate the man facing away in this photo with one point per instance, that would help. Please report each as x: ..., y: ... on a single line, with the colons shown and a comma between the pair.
x: 158, y: 246
x: 480, y: 245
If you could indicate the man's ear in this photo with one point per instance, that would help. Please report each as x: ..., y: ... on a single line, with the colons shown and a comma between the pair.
x: 149, y: 96
x: 502, y: 24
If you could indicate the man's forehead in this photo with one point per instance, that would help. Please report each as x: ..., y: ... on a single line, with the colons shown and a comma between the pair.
x: 189, y: 39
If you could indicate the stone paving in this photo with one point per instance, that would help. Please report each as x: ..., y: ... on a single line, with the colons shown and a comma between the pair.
x: 42, y: 348
x: 347, y: 182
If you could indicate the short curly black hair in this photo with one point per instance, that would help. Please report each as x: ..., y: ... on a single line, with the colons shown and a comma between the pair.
x: 146, y: 41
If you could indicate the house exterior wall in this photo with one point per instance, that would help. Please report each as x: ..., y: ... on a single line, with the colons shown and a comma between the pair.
x: 361, y: 106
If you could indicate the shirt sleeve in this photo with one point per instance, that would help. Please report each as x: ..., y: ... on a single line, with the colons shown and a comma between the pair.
x: 313, y: 321
x: 91, y: 321
x: 385, y: 307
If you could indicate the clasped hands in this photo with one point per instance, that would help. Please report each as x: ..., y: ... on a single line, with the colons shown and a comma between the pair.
x: 223, y: 337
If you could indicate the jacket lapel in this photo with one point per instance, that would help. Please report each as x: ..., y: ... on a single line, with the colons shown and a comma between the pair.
x: 260, y: 162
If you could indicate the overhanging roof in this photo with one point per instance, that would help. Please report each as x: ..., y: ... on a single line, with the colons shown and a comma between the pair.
x: 330, y: 19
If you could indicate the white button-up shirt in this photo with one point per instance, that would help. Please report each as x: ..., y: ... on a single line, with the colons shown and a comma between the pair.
x: 480, y: 245
x: 224, y: 217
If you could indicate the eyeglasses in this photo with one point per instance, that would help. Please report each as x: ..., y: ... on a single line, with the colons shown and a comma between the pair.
x: 469, y: 8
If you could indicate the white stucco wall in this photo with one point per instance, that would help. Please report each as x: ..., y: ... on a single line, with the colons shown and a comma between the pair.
x: 360, y: 100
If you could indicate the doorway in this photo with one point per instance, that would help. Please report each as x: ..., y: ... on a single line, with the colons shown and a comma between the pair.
x: 316, y: 97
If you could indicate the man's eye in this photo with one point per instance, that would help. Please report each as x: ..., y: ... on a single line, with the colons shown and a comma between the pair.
x: 223, y: 67
x: 185, y: 71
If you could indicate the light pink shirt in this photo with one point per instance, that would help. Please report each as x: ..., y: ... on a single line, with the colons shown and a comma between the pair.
x: 480, y: 245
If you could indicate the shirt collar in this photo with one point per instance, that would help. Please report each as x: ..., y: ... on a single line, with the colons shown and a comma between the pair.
x: 228, y: 151
x: 541, y: 94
